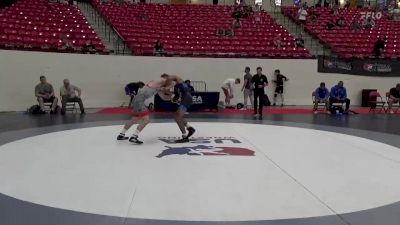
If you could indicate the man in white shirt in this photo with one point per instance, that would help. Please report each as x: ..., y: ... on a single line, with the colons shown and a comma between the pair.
x: 227, y: 87
x: 68, y: 93
x: 302, y: 14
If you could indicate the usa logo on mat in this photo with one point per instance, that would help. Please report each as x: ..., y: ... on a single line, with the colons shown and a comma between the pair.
x: 204, y: 150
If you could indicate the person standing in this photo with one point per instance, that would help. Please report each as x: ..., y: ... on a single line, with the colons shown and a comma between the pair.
x: 280, y: 79
x: 247, y: 88
x: 68, y: 94
x: 227, y: 88
x: 260, y: 81
x: 44, y: 92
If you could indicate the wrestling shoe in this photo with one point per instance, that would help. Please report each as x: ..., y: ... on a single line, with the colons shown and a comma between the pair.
x: 183, y: 140
x: 134, y: 139
x: 191, y: 131
x: 122, y: 137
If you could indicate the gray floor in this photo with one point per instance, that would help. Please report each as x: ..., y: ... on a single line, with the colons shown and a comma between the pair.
x: 383, y: 128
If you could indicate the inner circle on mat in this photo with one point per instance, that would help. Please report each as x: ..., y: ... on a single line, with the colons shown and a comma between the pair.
x: 227, y: 172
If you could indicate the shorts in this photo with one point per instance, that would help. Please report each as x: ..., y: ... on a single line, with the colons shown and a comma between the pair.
x: 226, y: 92
x: 139, y: 109
x: 279, y: 90
x: 183, y: 107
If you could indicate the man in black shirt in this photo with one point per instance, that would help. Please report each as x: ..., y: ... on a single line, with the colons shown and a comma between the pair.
x: 260, y: 81
x: 394, y: 97
x: 132, y: 89
x: 379, y: 46
x: 280, y: 79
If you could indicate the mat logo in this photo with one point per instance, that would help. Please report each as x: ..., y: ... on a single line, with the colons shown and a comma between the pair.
x: 203, y: 150
x: 197, y: 100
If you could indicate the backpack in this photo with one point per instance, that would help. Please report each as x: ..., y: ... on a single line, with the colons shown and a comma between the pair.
x: 336, y: 110
x: 35, y: 109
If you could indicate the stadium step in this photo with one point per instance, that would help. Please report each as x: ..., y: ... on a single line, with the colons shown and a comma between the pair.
x: 315, y: 47
x: 109, y: 37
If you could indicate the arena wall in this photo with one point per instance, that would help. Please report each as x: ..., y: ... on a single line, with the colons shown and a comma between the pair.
x: 103, y: 78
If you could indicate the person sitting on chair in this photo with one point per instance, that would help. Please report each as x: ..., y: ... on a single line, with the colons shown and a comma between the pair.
x: 132, y: 89
x: 321, y: 95
x: 44, y: 92
x: 394, y: 97
x: 339, y: 95
x: 68, y: 94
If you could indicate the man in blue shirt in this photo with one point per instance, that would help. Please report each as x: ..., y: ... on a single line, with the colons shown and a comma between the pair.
x: 321, y: 94
x: 339, y: 95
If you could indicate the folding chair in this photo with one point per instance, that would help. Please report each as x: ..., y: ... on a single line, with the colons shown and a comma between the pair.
x: 47, y: 106
x: 395, y: 107
x: 71, y: 106
x: 375, y: 101
x: 321, y: 106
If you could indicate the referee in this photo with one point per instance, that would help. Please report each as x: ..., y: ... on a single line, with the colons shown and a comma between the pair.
x: 260, y: 81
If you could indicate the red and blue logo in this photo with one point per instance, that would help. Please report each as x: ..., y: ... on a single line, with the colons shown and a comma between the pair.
x: 204, y: 150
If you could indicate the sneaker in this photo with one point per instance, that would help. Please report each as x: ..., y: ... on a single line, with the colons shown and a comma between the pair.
x: 134, y: 139
x: 260, y: 117
x: 315, y: 111
x: 191, y: 131
x: 274, y: 104
x: 121, y: 137
x: 183, y: 140
x: 391, y: 112
x: 256, y: 116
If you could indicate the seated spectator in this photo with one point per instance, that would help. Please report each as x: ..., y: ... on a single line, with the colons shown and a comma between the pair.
x: 394, y: 97
x: 158, y: 49
x: 229, y: 32
x: 341, y: 22
x: 67, y: 44
x: 314, y: 18
x: 321, y: 95
x: 356, y: 26
x: 379, y: 46
x: 278, y: 41
x: 89, y: 47
x: 335, y: 12
x: 257, y: 17
x: 369, y: 23
x: 347, y: 4
x: 236, y: 23
x: 237, y: 14
x: 190, y: 86
x: 305, y: 5
x: 299, y: 41
x: 338, y: 94
x: 68, y: 94
x: 44, y: 92
x: 220, y: 31
x: 330, y: 25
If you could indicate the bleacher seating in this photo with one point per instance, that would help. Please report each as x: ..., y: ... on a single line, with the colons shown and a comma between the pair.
x: 190, y: 30
x: 347, y: 43
x: 39, y: 25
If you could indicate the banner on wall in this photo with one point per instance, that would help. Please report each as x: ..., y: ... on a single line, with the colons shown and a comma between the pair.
x: 363, y: 67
